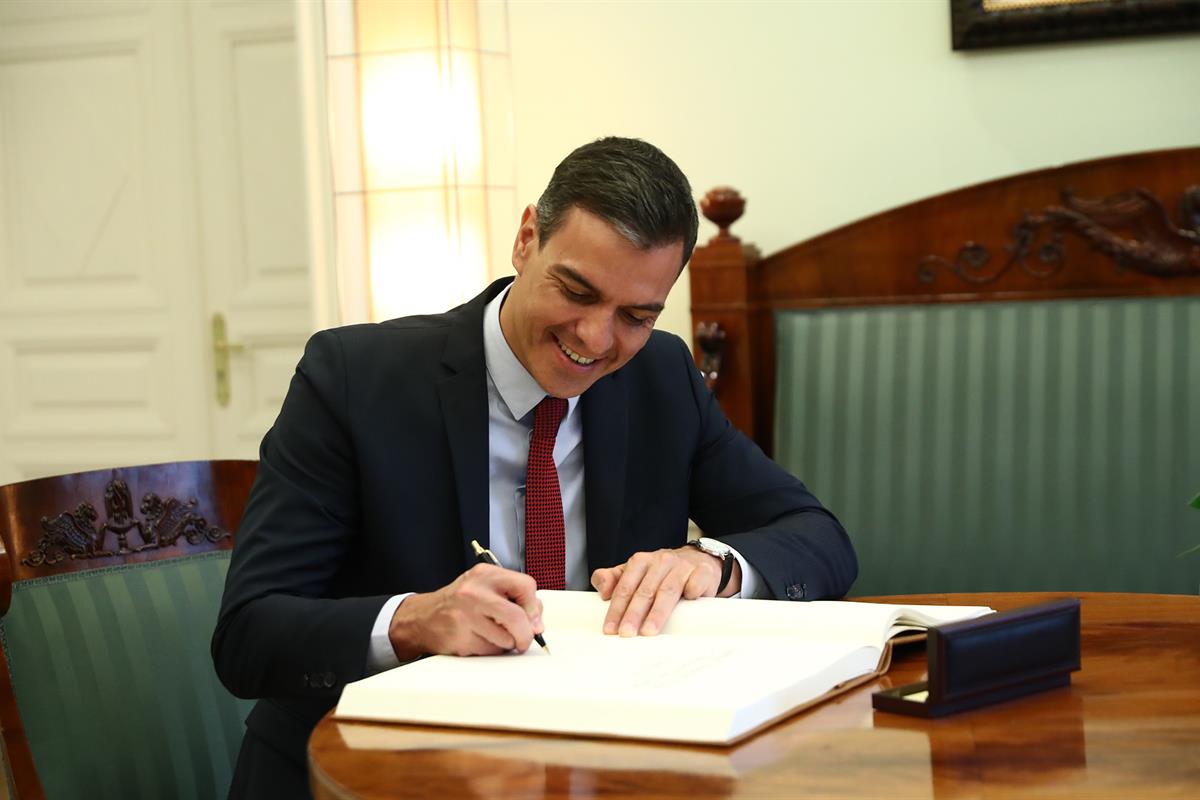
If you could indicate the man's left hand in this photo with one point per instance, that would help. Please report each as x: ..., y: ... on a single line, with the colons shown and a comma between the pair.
x: 644, y: 590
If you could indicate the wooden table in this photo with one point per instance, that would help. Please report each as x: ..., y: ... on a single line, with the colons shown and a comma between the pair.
x: 1128, y: 727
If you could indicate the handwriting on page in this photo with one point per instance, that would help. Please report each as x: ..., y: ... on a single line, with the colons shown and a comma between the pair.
x: 673, y: 667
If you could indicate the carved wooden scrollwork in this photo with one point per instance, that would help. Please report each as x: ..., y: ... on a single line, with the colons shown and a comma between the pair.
x: 711, y: 339
x: 76, y: 534
x: 1132, y: 228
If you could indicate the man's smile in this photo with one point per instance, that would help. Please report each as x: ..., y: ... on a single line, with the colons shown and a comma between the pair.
x: 571, y: 354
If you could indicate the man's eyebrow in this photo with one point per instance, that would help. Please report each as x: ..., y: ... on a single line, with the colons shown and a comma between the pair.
x: 564, y: 270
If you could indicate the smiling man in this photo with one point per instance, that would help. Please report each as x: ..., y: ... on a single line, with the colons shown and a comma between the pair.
x: 545, y: 418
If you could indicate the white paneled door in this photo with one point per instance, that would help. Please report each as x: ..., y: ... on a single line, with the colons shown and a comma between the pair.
x: 151, y: 177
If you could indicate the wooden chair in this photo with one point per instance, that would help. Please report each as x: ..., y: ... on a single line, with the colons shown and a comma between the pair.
x: 994, y: 388
x: 110, y: 582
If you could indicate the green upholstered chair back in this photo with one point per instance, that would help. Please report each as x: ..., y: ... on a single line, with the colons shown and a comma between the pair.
x: 1000, y: 446
x: 118, y: 579
x: 112, y: 674
x: 995, y: 387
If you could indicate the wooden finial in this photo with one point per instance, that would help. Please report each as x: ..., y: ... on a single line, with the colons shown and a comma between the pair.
x: 723, y: 206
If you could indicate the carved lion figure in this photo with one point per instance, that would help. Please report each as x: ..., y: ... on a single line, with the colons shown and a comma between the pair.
x: 71, y: 533
x: 167, y: 520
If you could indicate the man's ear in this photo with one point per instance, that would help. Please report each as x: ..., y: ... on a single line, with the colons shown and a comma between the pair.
x: 527, y: 239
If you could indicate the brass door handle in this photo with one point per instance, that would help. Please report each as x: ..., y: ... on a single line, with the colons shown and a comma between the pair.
x: 222, y: 347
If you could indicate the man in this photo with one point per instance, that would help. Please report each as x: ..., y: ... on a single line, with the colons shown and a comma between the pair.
x: 399, y: 443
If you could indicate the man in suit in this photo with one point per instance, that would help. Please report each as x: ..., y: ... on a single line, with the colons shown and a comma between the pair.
x: 399, y: 443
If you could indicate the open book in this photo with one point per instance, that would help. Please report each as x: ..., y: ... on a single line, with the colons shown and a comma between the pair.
x: 719, y: 671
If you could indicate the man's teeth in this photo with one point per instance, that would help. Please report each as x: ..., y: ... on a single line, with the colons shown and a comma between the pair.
x: 571, y: 354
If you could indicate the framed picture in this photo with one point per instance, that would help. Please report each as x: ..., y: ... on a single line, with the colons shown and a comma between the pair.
x: 998, y: 23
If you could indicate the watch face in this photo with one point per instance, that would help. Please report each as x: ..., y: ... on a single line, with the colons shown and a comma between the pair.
x: 713, y: 547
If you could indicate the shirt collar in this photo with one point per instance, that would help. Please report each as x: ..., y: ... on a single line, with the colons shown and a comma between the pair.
x: 516, y: 387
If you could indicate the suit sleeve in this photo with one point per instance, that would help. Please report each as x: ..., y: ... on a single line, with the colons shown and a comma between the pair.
x: 748, y: 501
x: 279, y: 633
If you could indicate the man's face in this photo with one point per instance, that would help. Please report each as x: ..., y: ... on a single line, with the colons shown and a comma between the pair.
x: 584, y: 302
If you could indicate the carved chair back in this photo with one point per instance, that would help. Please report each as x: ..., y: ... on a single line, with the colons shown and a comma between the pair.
x: 993, y: 387
x: 110, y: 583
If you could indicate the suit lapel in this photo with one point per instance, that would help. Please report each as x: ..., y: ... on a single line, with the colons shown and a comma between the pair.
x: 605, y: 449
x: 463, y: 398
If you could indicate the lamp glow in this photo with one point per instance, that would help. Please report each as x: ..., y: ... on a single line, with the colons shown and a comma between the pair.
x: 422, y: 156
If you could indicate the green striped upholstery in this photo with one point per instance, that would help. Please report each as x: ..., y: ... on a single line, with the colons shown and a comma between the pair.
x: 1001, y: 446
x: 115, y: 684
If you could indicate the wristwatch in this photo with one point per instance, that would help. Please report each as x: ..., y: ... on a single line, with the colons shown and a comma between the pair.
x: 722, y: 551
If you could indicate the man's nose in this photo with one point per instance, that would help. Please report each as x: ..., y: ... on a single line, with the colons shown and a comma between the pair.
x: 595, y: 332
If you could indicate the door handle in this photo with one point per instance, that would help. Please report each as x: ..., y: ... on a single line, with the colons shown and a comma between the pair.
x: 222, y: 347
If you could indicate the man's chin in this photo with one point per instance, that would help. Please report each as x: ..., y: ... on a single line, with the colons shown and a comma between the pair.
x: 568, y: 386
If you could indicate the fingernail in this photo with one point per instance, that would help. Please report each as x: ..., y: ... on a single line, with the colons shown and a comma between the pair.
x: 610, y: 627
x: 649, y: 629
x: 628, y: 630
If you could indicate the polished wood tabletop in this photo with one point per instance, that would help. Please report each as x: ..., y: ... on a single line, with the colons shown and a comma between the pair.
x: 1127, y: 727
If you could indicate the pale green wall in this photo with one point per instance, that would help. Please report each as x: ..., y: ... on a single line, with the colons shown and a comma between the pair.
x: 824, y: 112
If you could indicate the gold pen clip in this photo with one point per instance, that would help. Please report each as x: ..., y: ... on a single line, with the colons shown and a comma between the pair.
x: 483, y: 552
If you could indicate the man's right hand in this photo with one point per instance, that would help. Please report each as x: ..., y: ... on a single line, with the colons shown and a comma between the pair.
x: 486, y: 611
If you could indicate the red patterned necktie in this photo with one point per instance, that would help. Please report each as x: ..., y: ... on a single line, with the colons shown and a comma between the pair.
x: 545, y: 541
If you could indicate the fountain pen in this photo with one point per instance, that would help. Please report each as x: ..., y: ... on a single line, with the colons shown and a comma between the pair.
x: 485, y: 556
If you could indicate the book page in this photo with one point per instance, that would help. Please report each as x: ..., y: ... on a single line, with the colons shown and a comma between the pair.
x: 864, y: 623
x: 911, y: 618
x: 645, y: 669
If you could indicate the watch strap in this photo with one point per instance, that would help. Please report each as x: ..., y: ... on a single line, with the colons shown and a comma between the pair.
x: 726, y: 572
x: 726, y: 561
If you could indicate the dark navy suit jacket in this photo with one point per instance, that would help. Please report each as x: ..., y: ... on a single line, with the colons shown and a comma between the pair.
x: 374, y: 479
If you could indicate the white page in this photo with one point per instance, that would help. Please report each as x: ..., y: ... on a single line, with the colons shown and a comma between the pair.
x: 651, y: 669
x: 866, y: 623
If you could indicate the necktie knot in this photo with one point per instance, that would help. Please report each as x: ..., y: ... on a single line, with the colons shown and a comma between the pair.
x: 547, y: 416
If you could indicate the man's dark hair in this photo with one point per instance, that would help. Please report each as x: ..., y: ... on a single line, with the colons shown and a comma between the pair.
x: 628, y: 183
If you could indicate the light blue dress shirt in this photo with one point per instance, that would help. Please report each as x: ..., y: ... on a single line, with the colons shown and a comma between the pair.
x: 512, y: 395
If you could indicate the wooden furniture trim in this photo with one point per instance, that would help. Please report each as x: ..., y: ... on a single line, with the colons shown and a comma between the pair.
x: 1122, y: 226
x: 59, y: 499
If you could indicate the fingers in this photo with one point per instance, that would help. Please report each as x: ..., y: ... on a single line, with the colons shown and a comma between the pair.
x: 605, y: 580
x: 504, y: 634
x: 520, y: 589
x: 476, y: 643
x: 644, y: 591
x: 697, y: 584
x: 486, y: 610
x: 666, y: 598
x: 505, y: 603
x: 623, y: 594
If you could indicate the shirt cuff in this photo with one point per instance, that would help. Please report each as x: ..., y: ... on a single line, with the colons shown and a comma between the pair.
x: 380, y: 654
x: 753, y: 586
